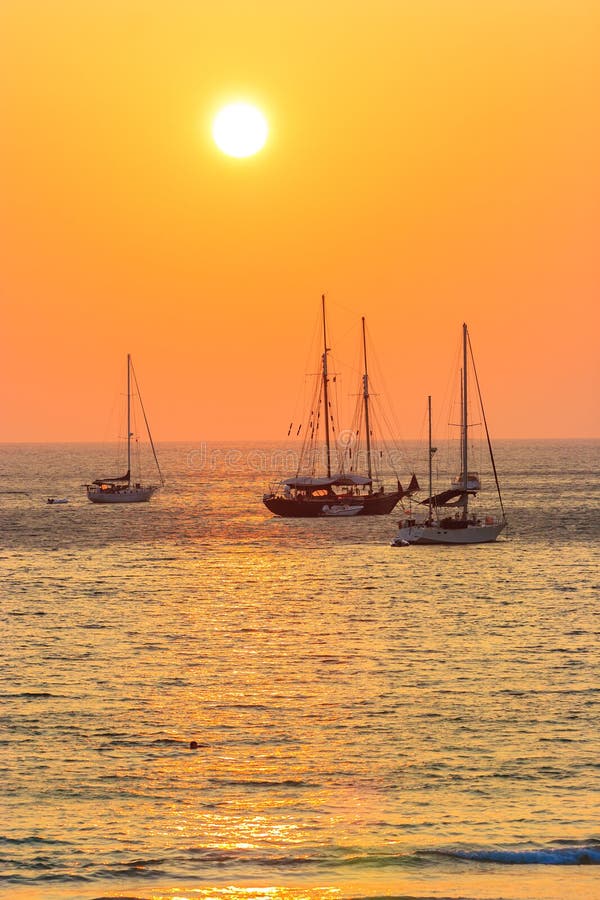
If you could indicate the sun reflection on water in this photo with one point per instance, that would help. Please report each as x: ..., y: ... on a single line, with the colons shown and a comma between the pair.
x: 233, y: 892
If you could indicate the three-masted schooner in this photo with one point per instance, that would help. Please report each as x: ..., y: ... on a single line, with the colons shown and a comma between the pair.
x: 338, y: 490
x: 122, y: 488
x: 449, y: 519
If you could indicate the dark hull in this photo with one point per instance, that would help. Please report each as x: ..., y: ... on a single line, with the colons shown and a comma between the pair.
x: 374, y: 505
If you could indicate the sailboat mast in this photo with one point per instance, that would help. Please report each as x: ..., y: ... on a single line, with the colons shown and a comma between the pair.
x: 128, y: 416
x: 366, y: 401
x: 430, y: 461
x: 325, y: 390
x: 464, y: 425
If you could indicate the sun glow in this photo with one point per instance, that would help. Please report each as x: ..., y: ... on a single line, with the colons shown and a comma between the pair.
x: 240, y: 130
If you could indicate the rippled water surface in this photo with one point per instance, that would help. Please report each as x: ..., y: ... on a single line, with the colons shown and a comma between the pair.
x: 371, y: 721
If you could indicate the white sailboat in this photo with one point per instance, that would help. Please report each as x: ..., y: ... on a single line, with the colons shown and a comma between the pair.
x: 462, y: 526
x: 121, y: 488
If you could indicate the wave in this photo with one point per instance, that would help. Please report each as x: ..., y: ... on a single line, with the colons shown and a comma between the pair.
x: 576, y: 855
x: 33, y: 840
x: 53, y: 877
x: 314, y: 860
x: 31, y: 695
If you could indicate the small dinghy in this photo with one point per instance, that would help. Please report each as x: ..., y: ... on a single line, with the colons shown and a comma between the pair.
x: 341, y: 510
x: 55, y: 500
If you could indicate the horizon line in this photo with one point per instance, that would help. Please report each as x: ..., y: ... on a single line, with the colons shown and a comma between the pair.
x: 282, y: 441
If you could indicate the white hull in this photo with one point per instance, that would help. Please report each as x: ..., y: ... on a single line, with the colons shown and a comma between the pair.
x: 473, y: 482
x: 127, y: 495
x: 435, y: 534
x: 338, y: 511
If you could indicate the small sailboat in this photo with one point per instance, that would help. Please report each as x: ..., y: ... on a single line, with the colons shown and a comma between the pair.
x: 449, y: 520
x: 337, y: 489
x: 122, y: 488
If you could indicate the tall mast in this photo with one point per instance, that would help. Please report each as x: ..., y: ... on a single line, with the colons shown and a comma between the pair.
x: 431, y: 451
x: 325, y: 390
x: 464, y: 425
x: 128, y: 416
x: 366, y: 401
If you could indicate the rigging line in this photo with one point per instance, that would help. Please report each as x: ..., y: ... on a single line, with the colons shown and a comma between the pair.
x: 352, y: 315
x: 302, y: 392
x: 380, y: 414
x: 357, y: 429
x: 301, y: 410
x: 312, y: 410
x: 487, y: 433
x: 313, y: 417
x: 135, y: 453
x: 387, y: 410
x: 336, y: 419
x: 309, y: 434
x: 376, y: 406
x: 450, y: 400
x: 386, y: 449
x: 346, y: 309
x: 160, y: 475
x: 354, y: 369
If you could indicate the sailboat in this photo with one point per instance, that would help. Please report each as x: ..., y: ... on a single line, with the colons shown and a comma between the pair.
x: 333, y: 492
x: 441, y: 526
x: 122, y: 488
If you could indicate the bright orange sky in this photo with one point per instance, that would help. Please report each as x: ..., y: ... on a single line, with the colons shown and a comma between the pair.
x: 428, y: 163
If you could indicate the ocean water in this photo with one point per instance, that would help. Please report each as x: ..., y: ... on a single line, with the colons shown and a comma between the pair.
x: 371, y: 721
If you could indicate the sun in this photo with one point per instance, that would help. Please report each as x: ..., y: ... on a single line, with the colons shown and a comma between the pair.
x: 240, y: 129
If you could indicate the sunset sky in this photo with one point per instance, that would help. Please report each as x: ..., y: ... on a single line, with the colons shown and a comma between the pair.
x: 428, y: 162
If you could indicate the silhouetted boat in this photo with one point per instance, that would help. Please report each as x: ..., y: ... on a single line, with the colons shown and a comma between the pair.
x: 461, y: 526
x: 121, y: 488
x: 338, y: 490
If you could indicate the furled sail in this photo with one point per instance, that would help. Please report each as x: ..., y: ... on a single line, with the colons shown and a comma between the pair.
x: 113, y: 479
x: 446, y: 498
x: 307, y: 481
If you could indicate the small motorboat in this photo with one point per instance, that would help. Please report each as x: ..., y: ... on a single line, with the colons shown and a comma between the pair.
x: 342, y: 509
x: 55, y: 500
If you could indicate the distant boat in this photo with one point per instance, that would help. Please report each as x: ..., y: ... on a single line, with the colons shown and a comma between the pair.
x: 462, y: 526
x: 331, y: 493
x: 473, y: 481
x: 121, y: 488
x: 54, y: 500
